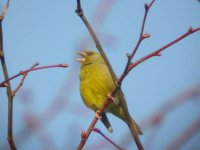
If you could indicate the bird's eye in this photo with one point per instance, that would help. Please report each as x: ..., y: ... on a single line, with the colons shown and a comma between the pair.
x: 89, y: 53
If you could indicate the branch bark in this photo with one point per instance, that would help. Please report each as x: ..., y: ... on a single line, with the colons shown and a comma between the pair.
x: 80, y: 13
x: 4, y: 83
x: 158, y: 51
x: 8, y: 87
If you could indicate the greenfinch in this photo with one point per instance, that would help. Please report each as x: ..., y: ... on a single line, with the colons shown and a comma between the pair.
x: 95, y: 85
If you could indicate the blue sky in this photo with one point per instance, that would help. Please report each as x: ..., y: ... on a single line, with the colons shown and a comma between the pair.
x: 49, y: 32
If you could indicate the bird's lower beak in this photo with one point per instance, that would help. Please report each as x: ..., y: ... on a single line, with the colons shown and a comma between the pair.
x: 81, y: 60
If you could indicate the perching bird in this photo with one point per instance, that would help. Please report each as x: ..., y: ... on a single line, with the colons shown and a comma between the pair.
x: 95, y: 84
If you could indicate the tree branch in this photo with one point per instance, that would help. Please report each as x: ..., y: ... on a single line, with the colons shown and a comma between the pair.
x: 8, y: 87
x: 141, y: 38
x: 5, y: 10
x: 4, y: 83
x: 80, y: 13
x: 10, y: 94
x: 157, y: 52
x: 105, y: 137
x: 22, y: 81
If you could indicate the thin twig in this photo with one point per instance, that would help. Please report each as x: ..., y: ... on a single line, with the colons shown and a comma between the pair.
x: 22, y: 80
x: 80, y: 13
x: 141, y: 38
x: 5, y: 10
x: 105, y: 137
x: 157, y: 52
x: 2, y: 84
x: 8, y: 87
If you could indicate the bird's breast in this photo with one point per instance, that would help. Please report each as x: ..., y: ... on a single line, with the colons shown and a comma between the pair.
x: 95, y: 84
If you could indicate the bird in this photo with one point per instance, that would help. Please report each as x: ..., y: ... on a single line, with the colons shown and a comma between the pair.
x: 96, y: 83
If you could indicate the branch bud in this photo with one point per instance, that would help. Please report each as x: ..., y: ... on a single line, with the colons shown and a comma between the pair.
x: 130, y: 65
x: 79, y: 12
x: 22, y: 72
x: 128, y: 55
x: 1, y: 53
x: 83, y: 135
x: 4, y: 85
x: 157, y: 119
x: 190, y: 29
x: 158, y: 54
x: 146, y: 6
x: 146, y: 35
x: 63, y: 65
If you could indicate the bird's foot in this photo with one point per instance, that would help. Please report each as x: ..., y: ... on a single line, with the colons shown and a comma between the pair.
x: 98, y: 114
x: 111, y: 98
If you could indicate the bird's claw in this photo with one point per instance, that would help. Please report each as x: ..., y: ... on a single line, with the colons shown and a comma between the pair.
x: 98, y: 114
x: 111, y: 97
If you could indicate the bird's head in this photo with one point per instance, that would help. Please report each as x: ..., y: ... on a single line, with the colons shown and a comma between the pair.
x: 89, y: 57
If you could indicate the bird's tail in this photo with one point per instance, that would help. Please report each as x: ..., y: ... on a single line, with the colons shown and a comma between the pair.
x: 106, y: 122
x: 135, y: 132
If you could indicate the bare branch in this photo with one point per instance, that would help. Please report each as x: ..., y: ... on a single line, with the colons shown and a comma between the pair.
x: 141, y: 38
x: 2, y: 84
x: 22, y: 80
x: 157, y: 52
x: 80, y: 13
x: 8, y: 86
x: 105, y: 137
x: 5, y: 10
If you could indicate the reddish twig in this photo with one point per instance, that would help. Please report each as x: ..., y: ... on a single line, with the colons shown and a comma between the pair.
x: 105, y: 137
x: 157, y: 52
x: 79, y: 12
x: 12, y: 94
x: 5, y: 10
x: 7, y: 84
x: 182, y: 138
x: 94, y: 121
x: 23, y: 78
x: 2, y: 84
x: 141, y: 38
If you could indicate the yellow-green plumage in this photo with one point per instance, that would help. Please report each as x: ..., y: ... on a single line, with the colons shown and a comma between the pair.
x: 96, y: 83
x: 94, y: 94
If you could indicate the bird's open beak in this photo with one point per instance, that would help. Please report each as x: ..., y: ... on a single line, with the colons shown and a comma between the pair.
x: 83, y: 54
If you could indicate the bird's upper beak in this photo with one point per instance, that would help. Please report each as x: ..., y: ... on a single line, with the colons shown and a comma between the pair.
x: 83, y: 54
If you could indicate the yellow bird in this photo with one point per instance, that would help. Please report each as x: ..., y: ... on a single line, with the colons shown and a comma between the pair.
x: 95, y: 84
